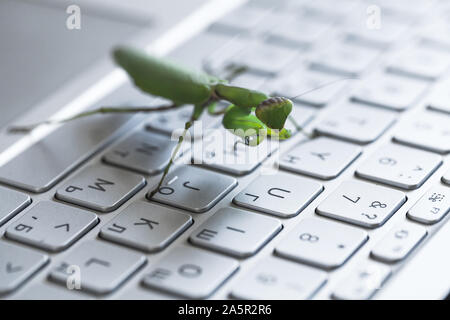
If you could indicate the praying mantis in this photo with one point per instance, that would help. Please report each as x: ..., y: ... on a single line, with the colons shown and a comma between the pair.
x: 251, y: 114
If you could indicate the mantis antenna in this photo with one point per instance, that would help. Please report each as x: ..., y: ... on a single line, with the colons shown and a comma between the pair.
x: 323, y: 85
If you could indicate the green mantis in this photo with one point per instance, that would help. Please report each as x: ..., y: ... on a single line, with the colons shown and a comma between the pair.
x: 181, y: 86
x: 254, y: 113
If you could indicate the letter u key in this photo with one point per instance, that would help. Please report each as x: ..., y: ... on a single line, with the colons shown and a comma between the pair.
x: 272, y: 193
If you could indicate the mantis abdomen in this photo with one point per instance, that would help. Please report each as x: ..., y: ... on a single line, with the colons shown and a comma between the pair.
x: 163, y: 78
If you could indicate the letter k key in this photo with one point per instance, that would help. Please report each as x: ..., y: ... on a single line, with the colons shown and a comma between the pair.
x: 147, y: 222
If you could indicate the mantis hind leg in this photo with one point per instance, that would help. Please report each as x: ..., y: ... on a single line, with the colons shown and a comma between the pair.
x: 102, y: 110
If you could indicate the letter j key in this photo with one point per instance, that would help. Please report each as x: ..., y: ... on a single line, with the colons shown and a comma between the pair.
x: 194, y: 189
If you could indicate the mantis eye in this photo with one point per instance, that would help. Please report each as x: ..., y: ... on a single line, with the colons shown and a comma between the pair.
x: 273, y: 112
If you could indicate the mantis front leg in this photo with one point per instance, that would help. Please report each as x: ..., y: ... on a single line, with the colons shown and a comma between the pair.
x: 213, y: 112
x: 299, y: 128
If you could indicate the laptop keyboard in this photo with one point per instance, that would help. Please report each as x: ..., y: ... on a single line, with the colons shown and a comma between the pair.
x: 326, y: 217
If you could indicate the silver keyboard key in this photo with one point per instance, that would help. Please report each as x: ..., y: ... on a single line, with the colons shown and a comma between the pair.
x: 247, y: 80
x: 324, y: 8
x: 302, y: 115
x: 199, y: 47
x: 263, y: 58
x: 434, y: 36
x: 243, y: 19
x: 142, y: 293
x: 218, y: 61
x: 101, y: 188
x: 59, y: 153
x: 102, y: 267
x: 344, y: 59
x: 400, y: 10
x: 428, y: 130
x: 276, y: 279
x: 288, y: 33
x: 297, y: 81
x: 17, y: 264
x: 236, y: 232
x: 144, y: 152
x: 322, y: 157
x: 194, y: 189
x: 446, y: 178
x: 362, y: 282
x: 267, y: 4
x: 321, y: 243
x: 11, y: 203
x: 420, y: 62
x: 361, y: 203
x: 432, y: 207
x: 390, y: 91
x: 324, y: 11
x: 356, y: 30
x: 399, y: 166
x: 172, y: 123
x: 439, y: 97
x: 146, y: 226
x: 190, y: 272
x: 437, y: 105
x: 51, y: 291
x: 52, y: 226
x: 218, y: 152
x: 398, y: 242
x: 355, y: 123
x: 279, y: 194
